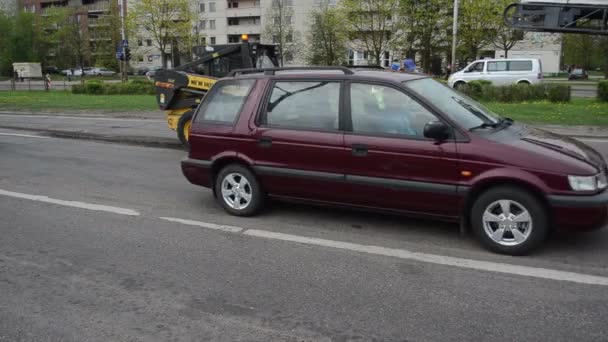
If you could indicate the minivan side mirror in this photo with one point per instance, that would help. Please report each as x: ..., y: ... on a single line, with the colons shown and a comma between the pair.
x: 436, y: 130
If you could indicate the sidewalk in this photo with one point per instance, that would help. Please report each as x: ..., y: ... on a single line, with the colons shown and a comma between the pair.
x: 150, y: 128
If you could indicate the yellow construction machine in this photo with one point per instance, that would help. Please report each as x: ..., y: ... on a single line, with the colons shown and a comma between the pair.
x: 180, y: 90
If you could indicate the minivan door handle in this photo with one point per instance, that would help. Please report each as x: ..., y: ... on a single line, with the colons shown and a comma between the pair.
x: 359, y: 150
x: 265, y: 142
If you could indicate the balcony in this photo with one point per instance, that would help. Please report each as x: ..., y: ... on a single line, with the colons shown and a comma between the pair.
x: 244, y: 12
x: 240, y: 29
x: 99, y: 7
x: 96, y: 22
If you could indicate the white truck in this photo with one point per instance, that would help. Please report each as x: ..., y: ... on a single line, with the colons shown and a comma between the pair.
x: 28, y: 70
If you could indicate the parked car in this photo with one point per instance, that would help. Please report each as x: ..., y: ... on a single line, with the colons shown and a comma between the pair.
x: 102, y: 72
x: 578, y: 74
x: 391, y: 142
x: 152, y: 72
x: 142, y: 71
x: 500, y: 72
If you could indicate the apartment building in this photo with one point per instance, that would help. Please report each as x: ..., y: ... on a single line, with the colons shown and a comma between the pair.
x: 545, y: 46
x: 100, y: 36
x: 224, y: 21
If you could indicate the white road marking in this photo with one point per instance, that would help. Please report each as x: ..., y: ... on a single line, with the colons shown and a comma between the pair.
x: 25, y: 135
x: 75, y: 204
x: 535, y: 272
x: 204, y: 224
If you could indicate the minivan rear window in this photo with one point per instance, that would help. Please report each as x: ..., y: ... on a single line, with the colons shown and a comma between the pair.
x: 224, y: 103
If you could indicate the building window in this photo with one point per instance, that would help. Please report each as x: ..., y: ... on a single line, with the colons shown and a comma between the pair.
x: 140, y: 42
x: 202, y: 24
x: 212, y: 7
x: 289, y: 38
x: 233, y: 4
x: 277, y: 20
x: 276, y: 39
x: 233, y: 21
x: 148, y: 42
x: 287, y: 19
x: 212, y: 24
x: 212, y: 40
x: 233, y: 39
x: 140, y: 59
x: 256, y: 21
x: 201, y: 7
x: 204, y: 41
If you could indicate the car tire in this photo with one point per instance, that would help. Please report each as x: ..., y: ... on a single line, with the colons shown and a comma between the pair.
x: 498, y: 220
x: 524, y: 82
x: 237, y: 183
x: 458, y: 84
x: 183, y: 129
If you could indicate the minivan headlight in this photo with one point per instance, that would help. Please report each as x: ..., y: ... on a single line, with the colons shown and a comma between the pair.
x: 588, y: 183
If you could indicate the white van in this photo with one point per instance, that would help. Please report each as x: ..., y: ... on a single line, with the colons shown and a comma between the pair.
x: 500, y: 72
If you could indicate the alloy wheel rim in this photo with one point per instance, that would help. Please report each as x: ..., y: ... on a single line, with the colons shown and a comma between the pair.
x: 507, y: 222
x: 236, y: 191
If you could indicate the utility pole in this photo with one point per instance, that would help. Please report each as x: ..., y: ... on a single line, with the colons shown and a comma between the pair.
x: 454, y: 34
x: 125, y: 46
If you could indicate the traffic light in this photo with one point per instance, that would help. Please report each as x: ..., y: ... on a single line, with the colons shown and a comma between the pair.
x: 127, y: 53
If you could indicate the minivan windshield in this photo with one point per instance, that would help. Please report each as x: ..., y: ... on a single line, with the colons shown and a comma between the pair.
x: 463, y: 110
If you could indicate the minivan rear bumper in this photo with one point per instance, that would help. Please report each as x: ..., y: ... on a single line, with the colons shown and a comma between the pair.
x: 197, y: 172
x: 580, y: 212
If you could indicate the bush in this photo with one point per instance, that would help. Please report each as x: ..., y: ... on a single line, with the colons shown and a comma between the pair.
x: 558, y: 93
x: 483, y: 90
x: 78, y: 89
x: 94, y: 88
x: 602, y: 90
x: 135, y: 87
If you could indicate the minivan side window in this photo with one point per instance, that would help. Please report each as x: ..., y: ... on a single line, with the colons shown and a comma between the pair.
x: 225, y: 101
x: 520, y: 66
x: 497, y: 66
x: 304, y: 105
x: 377, y: 109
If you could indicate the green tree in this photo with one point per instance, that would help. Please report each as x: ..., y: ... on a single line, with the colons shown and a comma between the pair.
x: 326, y: 43
x: 21, y: 40
x: 478, y: 23
x: 372, y: 25
x: 166, y: 21
x: 279, y: 29
x: 424, y: 28
x: 107, y: 26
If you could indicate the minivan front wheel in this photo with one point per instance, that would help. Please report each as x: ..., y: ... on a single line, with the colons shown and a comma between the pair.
x: 238, y: 190
x: 509, y: 221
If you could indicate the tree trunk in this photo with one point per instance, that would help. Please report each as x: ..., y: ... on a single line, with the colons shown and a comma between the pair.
x: 163, y: 56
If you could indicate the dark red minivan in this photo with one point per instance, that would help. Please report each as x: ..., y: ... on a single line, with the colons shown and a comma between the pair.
x: 393, y: 142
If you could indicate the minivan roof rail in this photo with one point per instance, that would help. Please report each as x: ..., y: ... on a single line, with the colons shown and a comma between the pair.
x: 271, y: 71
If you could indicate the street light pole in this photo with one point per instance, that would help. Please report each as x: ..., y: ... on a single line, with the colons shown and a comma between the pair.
x: 454, y: 34
x: 123, y: 34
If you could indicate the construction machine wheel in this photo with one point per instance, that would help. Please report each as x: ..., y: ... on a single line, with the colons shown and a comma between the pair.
x: 183, y: 128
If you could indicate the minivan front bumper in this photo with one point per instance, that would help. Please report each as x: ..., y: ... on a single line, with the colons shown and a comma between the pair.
x: 580, y: 212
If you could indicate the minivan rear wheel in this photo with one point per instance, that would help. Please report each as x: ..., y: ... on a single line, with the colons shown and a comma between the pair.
x: 238, y: 190
x: 509, y: 221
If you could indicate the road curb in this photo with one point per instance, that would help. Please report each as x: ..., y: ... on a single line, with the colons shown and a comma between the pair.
x: 157, y: 142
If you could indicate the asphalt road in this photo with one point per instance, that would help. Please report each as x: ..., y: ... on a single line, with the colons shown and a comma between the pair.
x: 92, y: 249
